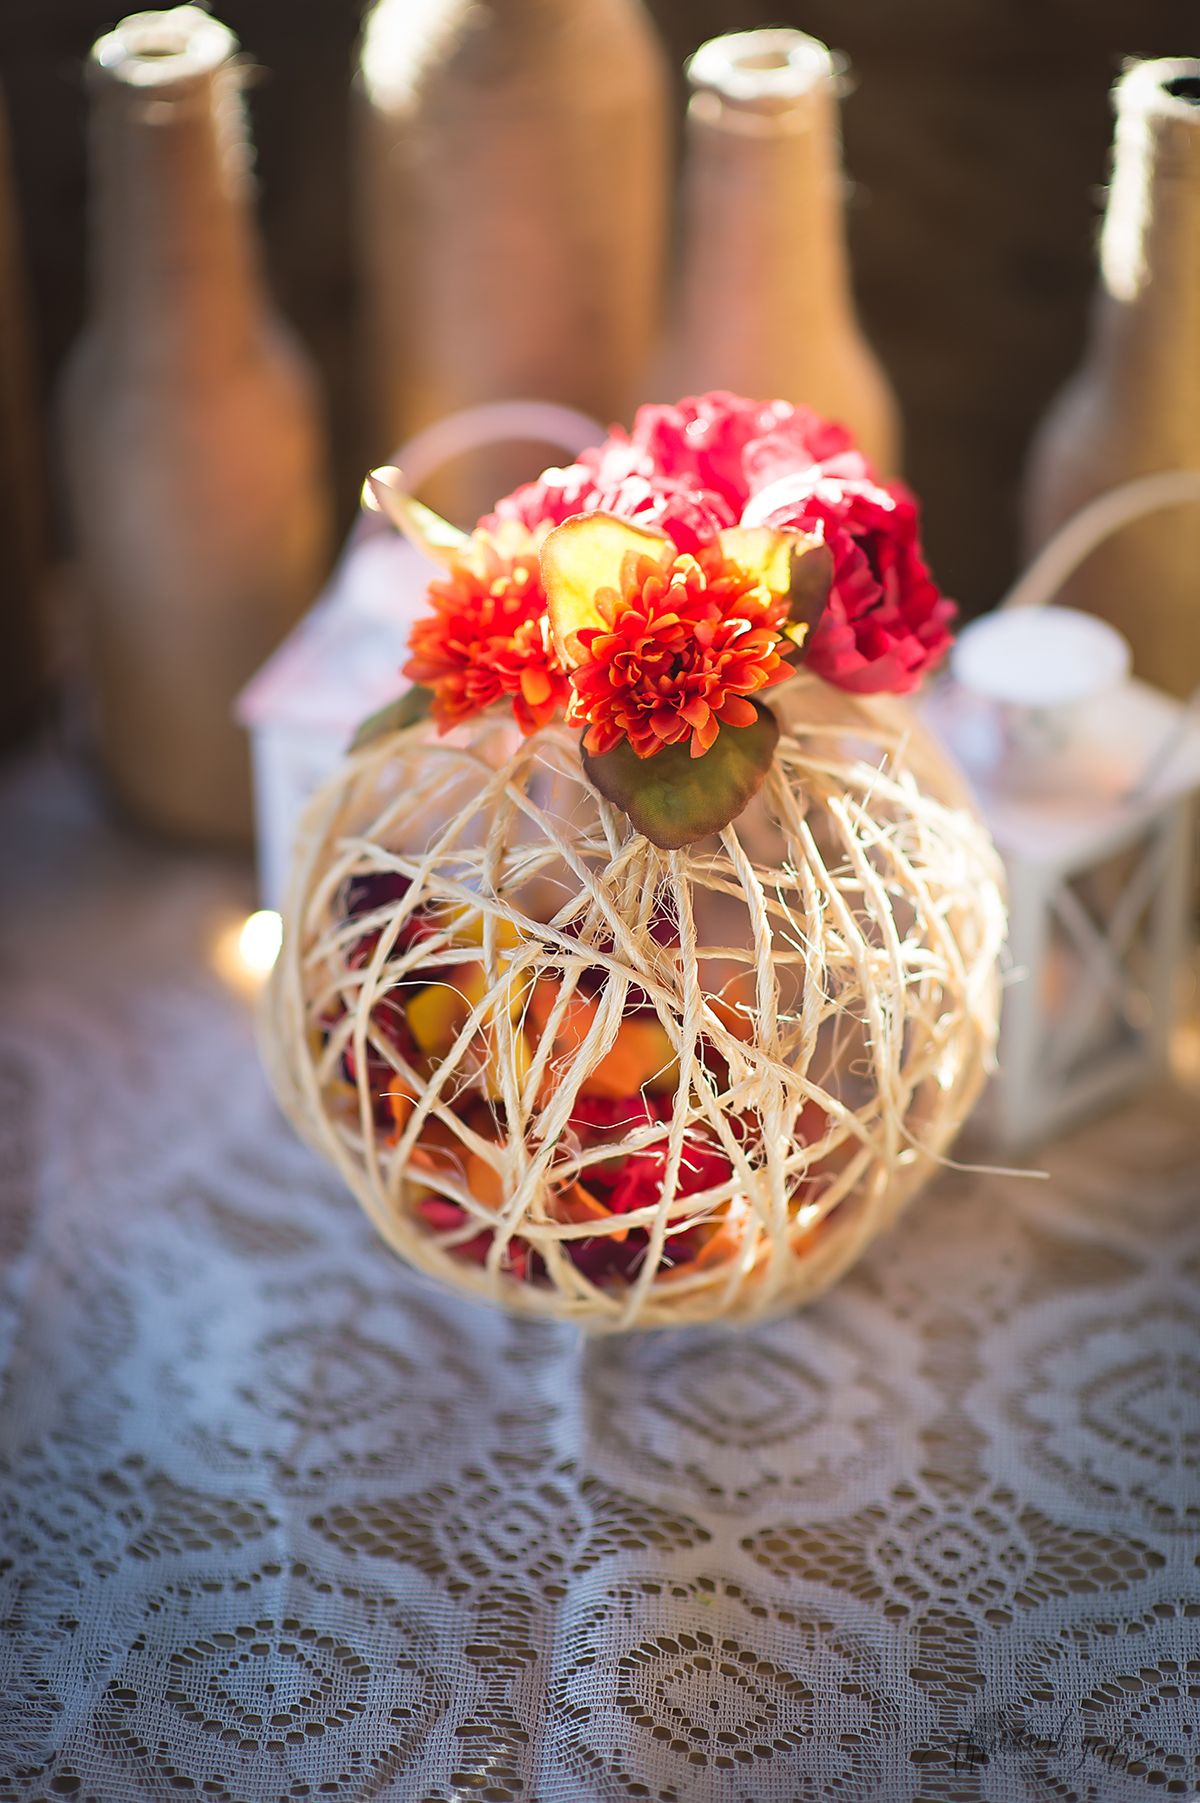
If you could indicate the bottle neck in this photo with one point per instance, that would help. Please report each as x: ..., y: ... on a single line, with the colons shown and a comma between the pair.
x: 175, y: 276
x: 1148, y: 326
x: 765, y: 205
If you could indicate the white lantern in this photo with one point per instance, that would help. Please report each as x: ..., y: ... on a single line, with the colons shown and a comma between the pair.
x: 1085, y: 777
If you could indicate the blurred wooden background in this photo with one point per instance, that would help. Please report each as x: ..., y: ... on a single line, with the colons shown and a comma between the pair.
x: 977, y: 138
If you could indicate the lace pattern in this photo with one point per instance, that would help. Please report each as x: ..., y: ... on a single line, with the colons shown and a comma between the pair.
x: 280, y: 1520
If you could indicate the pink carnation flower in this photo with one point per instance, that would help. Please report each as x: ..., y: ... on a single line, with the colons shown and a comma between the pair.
x: 717, y: 460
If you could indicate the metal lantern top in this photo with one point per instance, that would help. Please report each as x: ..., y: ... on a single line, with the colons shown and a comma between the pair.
x: 1068, y: 752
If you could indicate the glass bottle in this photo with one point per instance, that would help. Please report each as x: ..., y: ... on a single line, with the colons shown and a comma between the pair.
x: 512, y: 178
x: 764, y: 304
x: 193, y: 455
x: 1133, y: 407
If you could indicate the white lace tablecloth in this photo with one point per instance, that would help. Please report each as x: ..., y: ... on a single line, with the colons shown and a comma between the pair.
x: 279, y: 1520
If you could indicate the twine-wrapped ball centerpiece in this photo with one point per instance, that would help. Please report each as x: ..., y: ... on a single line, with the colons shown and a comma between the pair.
x: 640, y: 1031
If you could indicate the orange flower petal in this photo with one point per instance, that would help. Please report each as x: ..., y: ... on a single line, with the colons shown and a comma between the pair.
x: 737, y: 712
x: 696, y: 712
x: 577, y: 1205
x: 704, y: 737
x: 535, y: 685
x: 641, y: 1055
x: 484, y: 1181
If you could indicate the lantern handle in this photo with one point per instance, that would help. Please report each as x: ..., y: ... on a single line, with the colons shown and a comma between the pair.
x: 1081, y: 534
x: 495, y: 422
x: 474, y: 429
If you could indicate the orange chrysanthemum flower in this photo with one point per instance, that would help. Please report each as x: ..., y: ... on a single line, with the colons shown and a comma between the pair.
x: 687, y: 644
x: 489, y: 637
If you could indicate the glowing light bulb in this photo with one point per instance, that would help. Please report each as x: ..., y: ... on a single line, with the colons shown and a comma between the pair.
x: 260, y: 939
x: 242, y: 952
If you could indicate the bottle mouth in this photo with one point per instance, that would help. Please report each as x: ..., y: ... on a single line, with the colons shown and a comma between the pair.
x: 763, y: 59
x: 1167, y: 86
x: 158, y: 49
x: 764, y: 70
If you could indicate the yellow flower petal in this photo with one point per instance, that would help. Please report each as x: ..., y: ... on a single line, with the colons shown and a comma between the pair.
x: 583, y: 556
x: 437, y: 538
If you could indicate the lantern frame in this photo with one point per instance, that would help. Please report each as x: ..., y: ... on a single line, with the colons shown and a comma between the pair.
x: 1055, y: 1068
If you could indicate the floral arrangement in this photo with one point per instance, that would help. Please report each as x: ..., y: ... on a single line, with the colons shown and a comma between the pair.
x: 630, y: 973
x: 748, y: 529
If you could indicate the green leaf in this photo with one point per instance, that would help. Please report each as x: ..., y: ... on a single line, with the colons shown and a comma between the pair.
x: 672, y: 798
x: 406, y: 710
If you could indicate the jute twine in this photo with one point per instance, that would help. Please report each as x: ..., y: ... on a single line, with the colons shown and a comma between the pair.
x: 825, y: 972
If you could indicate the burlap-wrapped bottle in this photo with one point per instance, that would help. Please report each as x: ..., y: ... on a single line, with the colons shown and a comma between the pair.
x: 194, y: 459
x: 1133, y: 407
x: 765, y: 304
x: 512, y: 216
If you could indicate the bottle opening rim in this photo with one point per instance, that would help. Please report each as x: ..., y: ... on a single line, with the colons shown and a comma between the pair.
x: 761, y: 67
x: 154, y: 49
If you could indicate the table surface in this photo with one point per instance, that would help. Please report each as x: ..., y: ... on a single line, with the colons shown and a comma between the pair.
x: 281, y: 1520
